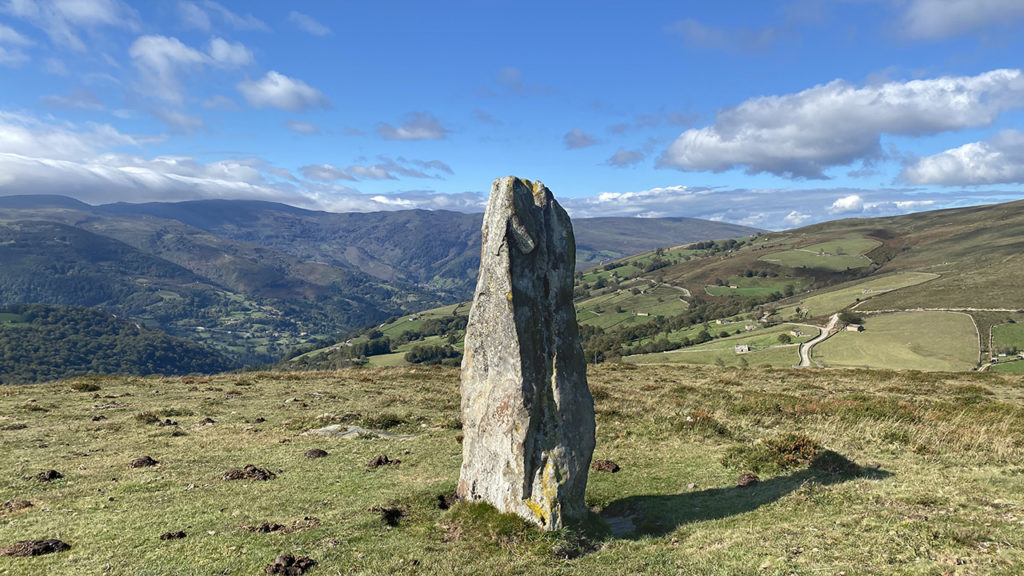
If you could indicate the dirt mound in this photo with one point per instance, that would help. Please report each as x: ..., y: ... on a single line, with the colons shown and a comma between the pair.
x: 15, y: 427
x: 167, y: 422
x: 290, y: 565
x: 34, y: 548
x: 98, y: 418
x: 316, y: 453
x: 249, y: 472
x: 382, y: 460
x: 143, y: 462
x: 207, y: 421
x: 268, y: 527
x: 49, y: 476
x: 747, y: 479
x: 605, y: 466
x: 15, y: 505
x: 176, y: 535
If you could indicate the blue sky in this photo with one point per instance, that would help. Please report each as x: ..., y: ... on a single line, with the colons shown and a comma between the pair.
x: 771, y: 114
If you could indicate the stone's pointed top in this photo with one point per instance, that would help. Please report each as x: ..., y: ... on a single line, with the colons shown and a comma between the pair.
x: 540, y: 192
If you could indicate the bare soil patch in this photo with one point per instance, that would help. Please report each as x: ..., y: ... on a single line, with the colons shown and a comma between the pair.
x: 34, y: 548
x: 382, y: 460
x: 605, y: 466
x: 49, y: 476
x: 249, y: 472
x: 316, y: 453
x: 143, y: 462
x: 290, y: 565
x: 176, y: 535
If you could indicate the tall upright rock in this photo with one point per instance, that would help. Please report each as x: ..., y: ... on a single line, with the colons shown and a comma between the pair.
x: 527, y: 413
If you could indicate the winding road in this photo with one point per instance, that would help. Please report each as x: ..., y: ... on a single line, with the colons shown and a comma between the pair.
x: 805, y: 350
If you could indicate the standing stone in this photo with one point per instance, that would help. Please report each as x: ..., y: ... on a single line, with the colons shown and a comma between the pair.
x: 527, y: 413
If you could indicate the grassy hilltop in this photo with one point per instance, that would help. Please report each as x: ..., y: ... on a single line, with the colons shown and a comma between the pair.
x: 860, y: 472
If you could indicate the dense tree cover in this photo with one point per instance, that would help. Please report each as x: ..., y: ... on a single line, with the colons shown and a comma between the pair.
x: 430, y: 355
x: 39, y: 343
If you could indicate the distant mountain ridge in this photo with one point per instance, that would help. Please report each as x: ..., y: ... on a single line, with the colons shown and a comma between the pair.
x: 256, y: 278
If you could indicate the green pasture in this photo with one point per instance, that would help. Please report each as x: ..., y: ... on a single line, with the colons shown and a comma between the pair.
x: 849, y: 294
x: 754, y: 286
x: 780, y: 356
x: 1012, y: 367
x: 1008, y: 336
x: 839, y: 254
x: 659, y: 300
x: 945, y: 341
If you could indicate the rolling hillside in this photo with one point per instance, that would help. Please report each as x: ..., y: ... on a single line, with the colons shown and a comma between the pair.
x: 255, y: 279
x: 757, y: 300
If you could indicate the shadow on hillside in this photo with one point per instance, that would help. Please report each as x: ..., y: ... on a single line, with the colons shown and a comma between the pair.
x: 658, y: 514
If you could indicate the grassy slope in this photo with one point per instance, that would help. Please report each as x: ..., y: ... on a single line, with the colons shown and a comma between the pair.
x: 942, y: 494
x: 906, y: 341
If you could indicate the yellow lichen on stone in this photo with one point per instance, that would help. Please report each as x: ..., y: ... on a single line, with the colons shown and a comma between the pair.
x: 509, y: 296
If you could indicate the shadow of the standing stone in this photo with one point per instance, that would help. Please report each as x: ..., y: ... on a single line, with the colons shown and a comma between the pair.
x: 661, y: 514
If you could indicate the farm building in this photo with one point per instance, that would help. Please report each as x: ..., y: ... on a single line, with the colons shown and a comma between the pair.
x: 796, y: 333
x: 854, y: 328
x: 742, y: 348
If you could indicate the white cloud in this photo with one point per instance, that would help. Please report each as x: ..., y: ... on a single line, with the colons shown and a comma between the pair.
x: 308, y: 23
x: 62, y: 20
x: 729, y: 39
x: 847, y: 204
x: 219, y: 102
x: 936, y: 19
x: 325, y: 173
x: 803, y: 134
x: 78, y: 99
x: 307, y: 128
x: 12, y: 37
x: 275, y: 90
x: 193, y: 16
x: 180, y: 121
x: 796, y: 218
x: 229, y: 54
x: 577, y: 138
x: 160, y: 61
x: 415, y: 126
x: 999, y: 160
x: 12, y: 57
x: 385, y: 169
x: 22, y: 134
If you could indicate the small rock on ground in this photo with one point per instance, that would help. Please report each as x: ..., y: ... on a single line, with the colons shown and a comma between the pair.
x: 167, y: 422
x: 34, y: 548
x: 143, y: 462
x: 15, y: 427
x: 383, y: 460
x: 290, y: 565
x: 747, y: 479
x: 206, y: 421
x: 249, y: 472
x: 316, y: 453
x: 176, y: 535
x: 49, y: 475
x: 605, y: 466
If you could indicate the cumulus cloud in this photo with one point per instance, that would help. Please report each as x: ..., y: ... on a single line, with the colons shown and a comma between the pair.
x: 935, y: 19
x: 795, y: 218
x: 308, y: 23
x: 63, y: 20
x: 229, y: 54
x: 306, y: 128
x: 846, y: 204
x: 696, y: 33
x: 999, y: 160
x: 415, y: 126
x: 160, y: 61
x: 801, y: 135
x: 275, y: 90
x: 577, y: 138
